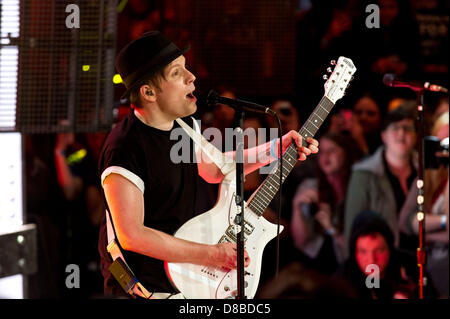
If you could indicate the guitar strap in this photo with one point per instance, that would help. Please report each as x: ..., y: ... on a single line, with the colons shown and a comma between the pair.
x: 225, y: 163
x: 137, y: 288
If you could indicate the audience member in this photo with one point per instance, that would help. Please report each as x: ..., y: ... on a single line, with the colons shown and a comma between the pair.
x: 362, y: 122
x: 287, y: 113
x: 365, y: 128
x: 318, y: 205
x: 375, y: 267
x: 82, y: 206
x: 382, y: 181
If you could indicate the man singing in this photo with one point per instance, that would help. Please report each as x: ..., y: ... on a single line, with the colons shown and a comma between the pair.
x: 147, y: 195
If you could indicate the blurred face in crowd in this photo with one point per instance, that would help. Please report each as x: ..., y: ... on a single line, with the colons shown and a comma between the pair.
x: 341, y: 121
x: 399, y: 138
x: 388, y: 11
x: 372, y: 249
x: 288, y: 116
x: 253, y: 124
x: 331, y: 157
x: 367, y: 113
x: 224, y: 113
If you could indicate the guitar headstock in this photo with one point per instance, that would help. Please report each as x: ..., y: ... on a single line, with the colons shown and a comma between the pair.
x: 340, y: 78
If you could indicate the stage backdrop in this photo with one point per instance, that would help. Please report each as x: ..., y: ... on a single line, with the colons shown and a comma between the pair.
x: 65, y: 72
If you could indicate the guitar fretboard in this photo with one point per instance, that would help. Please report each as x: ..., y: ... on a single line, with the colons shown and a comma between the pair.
x: 269, y: 188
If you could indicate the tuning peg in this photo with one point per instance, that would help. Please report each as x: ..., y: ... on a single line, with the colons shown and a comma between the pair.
x: 351, y: 79
x: 329, y: 70
x: 325, y: 77
x: 333, y: 62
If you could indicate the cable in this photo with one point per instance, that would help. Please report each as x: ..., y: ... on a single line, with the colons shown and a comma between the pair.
x: 280, y: 150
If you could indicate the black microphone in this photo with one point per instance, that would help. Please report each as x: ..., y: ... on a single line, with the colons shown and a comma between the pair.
x: 213, y: 98
x: 390, y: 79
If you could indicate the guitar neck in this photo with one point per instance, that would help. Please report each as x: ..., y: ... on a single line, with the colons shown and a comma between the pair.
x: 269, y: 188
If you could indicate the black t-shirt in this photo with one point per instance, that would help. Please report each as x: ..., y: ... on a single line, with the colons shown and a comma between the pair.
x: 143, y: 155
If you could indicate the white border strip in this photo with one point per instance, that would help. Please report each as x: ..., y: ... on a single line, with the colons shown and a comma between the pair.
x: 136, y: 180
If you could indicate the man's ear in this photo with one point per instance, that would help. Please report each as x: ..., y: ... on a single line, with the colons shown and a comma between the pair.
x: 147, y: 93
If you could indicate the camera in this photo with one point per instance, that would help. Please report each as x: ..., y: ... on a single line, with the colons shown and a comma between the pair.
x: 309, y: 209
x: 433, y: 145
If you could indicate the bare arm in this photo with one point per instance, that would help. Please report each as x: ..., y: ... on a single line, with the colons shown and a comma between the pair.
x: 70, y: 184
x: 126, y: 204
x: 433, y: 223
x: 441, y: 237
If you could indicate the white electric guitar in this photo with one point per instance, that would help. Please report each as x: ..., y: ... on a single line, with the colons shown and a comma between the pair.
x: 218, y: 225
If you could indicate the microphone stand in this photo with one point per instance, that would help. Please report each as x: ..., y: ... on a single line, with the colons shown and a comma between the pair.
x: 240, y: 204
x: 421, y: 255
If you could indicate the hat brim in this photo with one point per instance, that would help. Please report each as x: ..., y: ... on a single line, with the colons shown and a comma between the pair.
x: 169, y: 58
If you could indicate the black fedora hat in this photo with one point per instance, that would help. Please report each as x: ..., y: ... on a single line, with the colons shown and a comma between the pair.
x: 144, y: 56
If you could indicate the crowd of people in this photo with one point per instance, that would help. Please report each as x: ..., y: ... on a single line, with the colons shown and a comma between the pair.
x: 351, y: 206
x: 348, y: 207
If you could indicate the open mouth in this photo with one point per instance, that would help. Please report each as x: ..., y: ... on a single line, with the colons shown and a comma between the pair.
x: 191, y: 96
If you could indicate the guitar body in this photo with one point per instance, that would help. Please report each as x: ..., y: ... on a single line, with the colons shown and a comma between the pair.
x: 212, y: 227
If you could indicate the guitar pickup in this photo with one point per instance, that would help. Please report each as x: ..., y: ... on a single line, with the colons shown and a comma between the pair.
x: 248, y: 228
x: 224, y: 239
x: 232, y: 232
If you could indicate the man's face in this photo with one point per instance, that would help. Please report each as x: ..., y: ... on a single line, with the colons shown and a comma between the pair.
x: 175, y: 98
x: 400, y: 137
x: 372, y: 249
